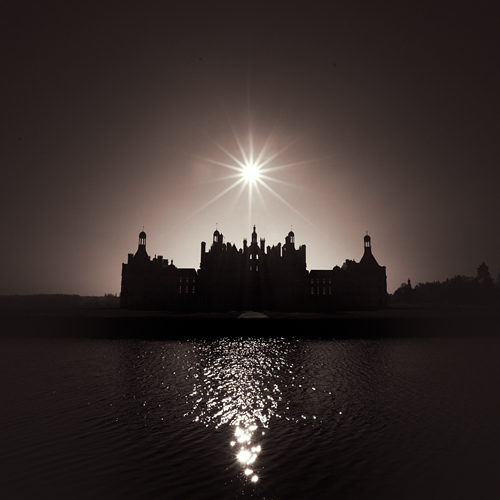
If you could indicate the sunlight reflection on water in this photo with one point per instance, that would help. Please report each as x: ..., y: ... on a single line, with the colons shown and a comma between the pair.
x: 275, y: 418
x: 236, y: 382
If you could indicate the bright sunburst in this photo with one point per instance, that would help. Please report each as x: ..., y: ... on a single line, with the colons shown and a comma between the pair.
x: 251, y: 172
x: 252, y: 168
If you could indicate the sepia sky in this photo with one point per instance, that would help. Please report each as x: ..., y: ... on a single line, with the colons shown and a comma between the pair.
x: 384, y: 117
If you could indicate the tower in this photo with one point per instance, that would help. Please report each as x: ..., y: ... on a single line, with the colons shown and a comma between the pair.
x: 217, y: 237
x: 141, y: 256
x: 254, y: 252
x: 368, y: 244
x: 368, y: 260
x: 254, y: 235
x: 142, y: 239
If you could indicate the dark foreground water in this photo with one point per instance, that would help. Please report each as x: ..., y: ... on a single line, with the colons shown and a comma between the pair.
x: 252, y: 417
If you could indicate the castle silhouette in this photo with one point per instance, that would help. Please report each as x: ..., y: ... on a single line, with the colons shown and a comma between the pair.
x: 251, y: 278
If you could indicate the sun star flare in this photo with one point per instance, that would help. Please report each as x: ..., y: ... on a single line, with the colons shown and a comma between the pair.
x: 252, y: 171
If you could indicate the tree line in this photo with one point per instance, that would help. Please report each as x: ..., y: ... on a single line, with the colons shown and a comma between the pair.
x: 59, y: 301
x: 481, y: 289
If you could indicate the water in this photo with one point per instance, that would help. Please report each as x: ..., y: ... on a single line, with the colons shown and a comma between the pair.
x: 250, y: 418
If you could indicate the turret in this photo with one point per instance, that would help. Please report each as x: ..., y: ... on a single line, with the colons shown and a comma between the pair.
x: 142, y: 239
x: 203, y: 252
x: 368, y: 244
x: 368, y: 259
x: 254, y: 235
x: 141, y: 255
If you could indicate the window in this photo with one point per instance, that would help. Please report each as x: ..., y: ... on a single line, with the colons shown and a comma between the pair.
x: 180, y: 289
x: 312, y: 290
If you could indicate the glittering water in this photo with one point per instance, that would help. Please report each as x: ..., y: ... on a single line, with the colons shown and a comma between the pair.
x: 237, y: 383
x: 250, y: 418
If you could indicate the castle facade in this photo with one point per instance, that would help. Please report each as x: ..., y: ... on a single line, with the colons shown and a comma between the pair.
x: 254, y: 277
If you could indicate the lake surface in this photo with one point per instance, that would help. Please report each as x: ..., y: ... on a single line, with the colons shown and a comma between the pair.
x: 250, y: 417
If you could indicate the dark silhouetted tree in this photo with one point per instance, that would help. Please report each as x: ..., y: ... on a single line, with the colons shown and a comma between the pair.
x: 481, y: 290
x: 483, y: 275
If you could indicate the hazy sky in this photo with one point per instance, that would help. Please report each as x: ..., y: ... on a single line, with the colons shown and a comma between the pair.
x: 115, y: 114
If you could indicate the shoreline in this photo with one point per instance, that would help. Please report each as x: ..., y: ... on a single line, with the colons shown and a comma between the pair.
x: 159, y: 325
x: 451, y: 312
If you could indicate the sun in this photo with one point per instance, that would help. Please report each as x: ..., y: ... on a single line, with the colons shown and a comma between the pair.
x: 251, y: 169
x: 251, y: 172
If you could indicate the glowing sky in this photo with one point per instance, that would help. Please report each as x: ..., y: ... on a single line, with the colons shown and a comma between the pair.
x: 362, y: 116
